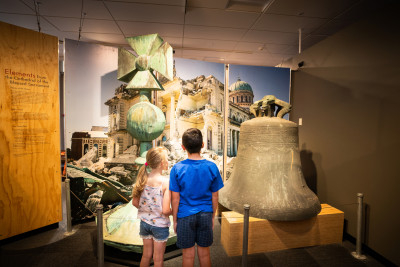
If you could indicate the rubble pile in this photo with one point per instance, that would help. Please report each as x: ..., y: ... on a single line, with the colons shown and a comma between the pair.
x: 122, y: 175
x: 88, y: 159
x: 200, y: 84
x: 192, y: 113
x: 126, y: 159
x: 89, y: 189
x: 121, y: 168
x: 122, y: 93
x: 177, y: 154
x: 110, y: 181
x: 212, y: 156
x: 98, y: 166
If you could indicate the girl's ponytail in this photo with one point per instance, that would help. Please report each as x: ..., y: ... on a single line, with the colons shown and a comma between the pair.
x: 141, y: 181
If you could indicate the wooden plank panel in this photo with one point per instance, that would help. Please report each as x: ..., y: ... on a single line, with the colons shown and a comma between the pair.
x: 30, y: 181
x: 264, y: 235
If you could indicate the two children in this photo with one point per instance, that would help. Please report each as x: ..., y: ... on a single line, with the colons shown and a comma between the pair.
x: 194, y: 184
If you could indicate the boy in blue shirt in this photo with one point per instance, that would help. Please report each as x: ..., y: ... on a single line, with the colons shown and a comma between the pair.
x: 194, y: 184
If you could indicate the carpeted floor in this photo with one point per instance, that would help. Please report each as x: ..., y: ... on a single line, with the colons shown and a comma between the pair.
x: 78, y: 250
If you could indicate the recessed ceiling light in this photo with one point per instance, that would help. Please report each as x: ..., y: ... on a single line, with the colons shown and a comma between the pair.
x: 247, y: 5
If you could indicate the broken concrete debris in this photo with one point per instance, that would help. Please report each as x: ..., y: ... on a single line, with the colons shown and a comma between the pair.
x: 109, y: 181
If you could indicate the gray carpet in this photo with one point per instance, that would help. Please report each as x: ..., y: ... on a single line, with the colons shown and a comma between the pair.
x: 78, y: 250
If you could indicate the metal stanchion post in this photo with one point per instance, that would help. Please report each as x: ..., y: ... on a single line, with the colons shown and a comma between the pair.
x: 68, y: 205
x: 100, y: 242
x: 245, y: 234
x: 357, y: 254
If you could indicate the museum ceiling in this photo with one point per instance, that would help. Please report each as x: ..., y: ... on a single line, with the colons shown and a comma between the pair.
x: 249, y: 32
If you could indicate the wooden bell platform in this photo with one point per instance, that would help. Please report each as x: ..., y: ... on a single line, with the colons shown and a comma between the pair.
x: 264, y: 235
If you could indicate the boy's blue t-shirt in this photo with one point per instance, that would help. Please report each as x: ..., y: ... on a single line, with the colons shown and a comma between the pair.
x: 195, y: 180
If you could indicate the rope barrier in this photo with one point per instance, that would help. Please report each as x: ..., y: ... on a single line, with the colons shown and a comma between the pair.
x: 245, y: 217
x: 348, y: 204
x: 245, y: 234
x: 68, y: 205
x: 216, y: 217
x: 100, y: 241
x: 82, y: 203
x: 358, y: 254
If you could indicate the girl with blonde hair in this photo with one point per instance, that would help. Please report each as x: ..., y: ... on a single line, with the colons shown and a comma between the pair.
x: 152, y: 197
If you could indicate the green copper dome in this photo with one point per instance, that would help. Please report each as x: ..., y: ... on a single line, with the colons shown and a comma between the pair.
x: 240, y: 85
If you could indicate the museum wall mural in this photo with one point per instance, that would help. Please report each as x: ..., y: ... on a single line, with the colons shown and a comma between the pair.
x: 247, y: 85
x: 103, y: 155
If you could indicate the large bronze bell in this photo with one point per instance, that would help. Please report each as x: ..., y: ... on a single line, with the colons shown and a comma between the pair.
x: 267, y: 173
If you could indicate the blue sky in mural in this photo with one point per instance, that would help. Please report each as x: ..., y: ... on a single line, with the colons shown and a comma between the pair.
x: 263, y: 80
x: 187, y: 69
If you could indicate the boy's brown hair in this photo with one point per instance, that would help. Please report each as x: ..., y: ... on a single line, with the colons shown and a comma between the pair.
x: 192, y: 140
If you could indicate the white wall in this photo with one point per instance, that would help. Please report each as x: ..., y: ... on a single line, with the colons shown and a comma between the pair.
x: 90, y: 80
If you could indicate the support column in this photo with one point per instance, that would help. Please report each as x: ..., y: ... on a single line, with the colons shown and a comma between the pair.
x: 205, y: 136
x: 209, y: 138
x: 231, y: 140
x: 237, y: 141
x: 171, y: 117
x: 234, y: 142
x: 230, y: 143
x: 238, y: 138
x: 226, y: 119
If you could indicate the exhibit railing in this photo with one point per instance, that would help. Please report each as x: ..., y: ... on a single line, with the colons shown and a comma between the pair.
x: 246, y: 211
x: 100, y: 241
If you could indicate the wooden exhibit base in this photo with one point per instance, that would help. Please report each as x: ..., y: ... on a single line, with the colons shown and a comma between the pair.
x: 264, y: 235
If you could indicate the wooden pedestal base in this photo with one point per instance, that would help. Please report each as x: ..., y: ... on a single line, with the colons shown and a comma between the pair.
x: 264, y: 235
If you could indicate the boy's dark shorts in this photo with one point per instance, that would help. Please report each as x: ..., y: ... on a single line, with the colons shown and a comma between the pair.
x: 196, y: 228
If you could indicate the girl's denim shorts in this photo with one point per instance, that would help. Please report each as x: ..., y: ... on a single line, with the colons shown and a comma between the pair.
x: 148, y: 231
